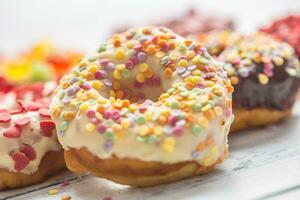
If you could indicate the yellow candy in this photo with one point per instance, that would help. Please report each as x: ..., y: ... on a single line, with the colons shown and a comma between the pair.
x: 120, y: 67
x: 263, y: 79
x: 117, y: 75
x: 143, y: 67
x: 92, y: 68
x: 218, y: 110
x: 196, y: 72
x: 160, y: 54
x: 84, y: 107
x: 125, y: 123
x: 97, y: 85
x: 117, y: 127
x: 158, y: 130
x: 203, y: 121
x: 206, y: 108
x: 168, y: 145
x: 120, y: 54
x: 53, y: 191
x: 143, y: 130
x: 140, y: 77
x: 183, y: 63
x: 196, y: 60
x: 190, y: 54
x: 90, y: 127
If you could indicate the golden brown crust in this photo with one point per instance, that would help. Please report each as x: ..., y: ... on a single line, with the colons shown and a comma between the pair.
x: 258, y: 117
x: 132, y: 171
x: 52, y: 162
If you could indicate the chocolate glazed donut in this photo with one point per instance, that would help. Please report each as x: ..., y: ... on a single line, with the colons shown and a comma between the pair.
x: 265, y: 74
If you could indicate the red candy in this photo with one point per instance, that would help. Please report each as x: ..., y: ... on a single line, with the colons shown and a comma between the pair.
x: 4, y: 117
x: 21, y: 161
x: 44, y: 112
x: 12, y: 132
x: 29, y: 152
x: 47, y: 127
x: 22, y: 122
x: 33, y: 106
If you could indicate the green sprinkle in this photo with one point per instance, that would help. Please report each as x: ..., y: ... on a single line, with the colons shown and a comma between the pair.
x: 125, y: 73
x: 108, y: 135
x: 171, y: 91
x: 102, y: 48
x: 152, y: 139
x: 197, y: 130
x: 197, y: 107
x: 140, y: 120
x: 141, y: 138
x: 175, y: 104
x: 63, y: 125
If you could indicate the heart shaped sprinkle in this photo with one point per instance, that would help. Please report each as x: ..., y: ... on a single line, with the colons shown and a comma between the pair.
x: 21, y: 161
x: 28, y: 151
x: 12, y: 132
x: 47, y: 127
x: 22, y: 122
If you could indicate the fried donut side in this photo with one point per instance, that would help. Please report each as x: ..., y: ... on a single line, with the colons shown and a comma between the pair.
x: 132, y: 171
x: 52, y: 162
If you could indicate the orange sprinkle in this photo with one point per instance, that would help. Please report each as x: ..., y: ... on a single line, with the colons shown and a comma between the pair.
x: 209, y: 141
x: 151, y: 49
x: 168, y: 72
x: 234, y: 80
x: 188, y: 42
x: 117, y: 43
x: 189, y: 85
x: 69, y: 115
x: 229, y: 89
x: 125, y: 103
x: 201, y: 146
x: 101, y: 108
x: 56, y: 112
x: 209, y: 114
x: 162, y: 120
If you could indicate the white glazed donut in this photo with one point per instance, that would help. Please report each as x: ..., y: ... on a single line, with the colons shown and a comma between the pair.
x: 149, y: 108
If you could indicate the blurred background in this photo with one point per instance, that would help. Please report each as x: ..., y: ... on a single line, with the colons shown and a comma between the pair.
x: 83, y: 24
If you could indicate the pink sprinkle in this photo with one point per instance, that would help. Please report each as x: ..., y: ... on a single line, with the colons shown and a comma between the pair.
x: 90, y: 113
x: 137, y: 84
x: 165, y: 47
x: 129, y: 64
x: 99, y: 75
x: 115, y: 115
x: 28, y: 151
x: 101, y: 128
x: 200, y: 85
x: 106, y: 114
x: 5, y: 117
x: 22, y: 122
x: 86, y: 86
x: 173, y: 120
x: 142, y: 109
x: 44, y: 112
x: 149, y: 82
x: 178, y: 131
x: 156, y: 80
x: 95, y: 120
x: 134, y: 60
x: 12, y: 132
x: 228, y: 112
x: 21, y: 161
x: 104, y: 62
x: 138, y: 48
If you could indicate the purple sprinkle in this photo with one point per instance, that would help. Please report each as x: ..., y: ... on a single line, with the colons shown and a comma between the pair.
x: 115, y: 115
x: 200, y: 85
x: 86, y: 86
x: 107, y: 82
x: 110, y: 66
x: 101, y: 128
x: 104, y: 62
x: 195, y: 154
x: 141, y: 56
x: 228, y: 112
x: 180, y: 70
x: 90, y: 113
x: 107, y: 145
x: 192, y: 67
x: 129, y: 64
x: 192, y: 46
x: 185, y: 74
x: 178, y: 131
x: 107, y: 114
x: 71, y: 91
x: 74, y: 80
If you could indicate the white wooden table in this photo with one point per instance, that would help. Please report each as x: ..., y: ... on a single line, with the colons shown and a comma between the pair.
x: 263, y: 164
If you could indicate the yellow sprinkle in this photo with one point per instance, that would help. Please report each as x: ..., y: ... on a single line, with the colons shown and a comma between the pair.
x: 132, y: 108
x: 84, y: 107
x: 97, y: 85
x: 148, y: 115
x: 129, y: 45
x: 209, y: 83
x: 165, y: 111
x: 92, y: 68
x: 203, y: 121
x: 120, y: 54
x: 140, y: 77
x: 278, y: 61
x: 196, y: 59
x: 204, y: 99
x: 196, y: 72
x: 143, y: 130
x: 168, y: 145
x: 190, y: 54
x: 53, y: 191
x: 172, y: 56
x: 120, y: 67
x: 117, y: 127
x: 263, y: 79
x: 143, y: 67
x: 183, y: 63
x: 158, y: 130
x: 196, y: 79
x: 218, y: 110
x: 101, y: 100
x: 206, y: 107
x: 90, y: 127
x: 112, y: 93
x: 125, y: 123
x: 160, y: 54
x: 117, y: 75
x: 207, y: 161
x: 214, y: 150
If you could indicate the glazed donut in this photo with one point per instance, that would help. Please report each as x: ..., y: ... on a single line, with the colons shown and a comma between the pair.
x: 149, y: 108
x: 266, y: 76
x: 29, y: 150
